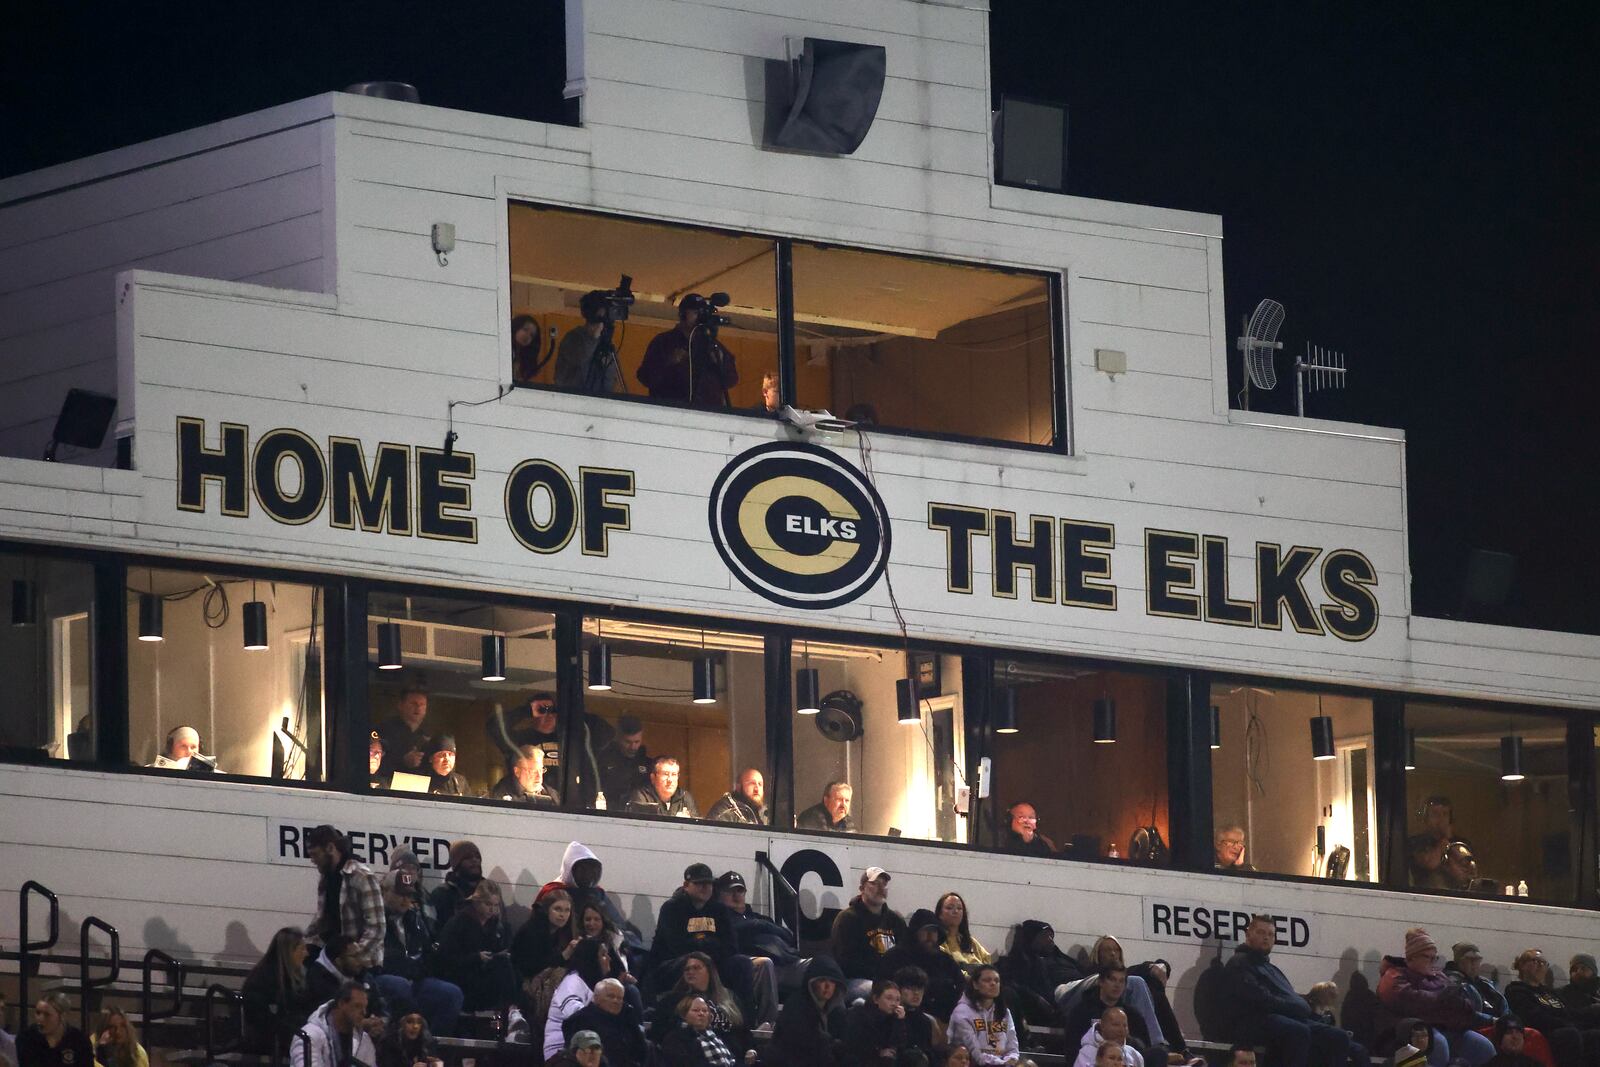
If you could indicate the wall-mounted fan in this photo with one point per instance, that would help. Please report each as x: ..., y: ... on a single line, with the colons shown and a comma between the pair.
x: 840, y: 717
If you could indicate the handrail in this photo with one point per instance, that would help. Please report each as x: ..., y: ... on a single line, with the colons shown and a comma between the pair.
x: 236, y: 1002
x: 25, y: 948
x: 764, y: 861
x: 174, y: 969
x: 87, y: 985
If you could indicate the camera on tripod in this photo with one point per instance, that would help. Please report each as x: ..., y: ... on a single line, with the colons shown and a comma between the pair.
x: 708, y: 306
x: 608, y: 305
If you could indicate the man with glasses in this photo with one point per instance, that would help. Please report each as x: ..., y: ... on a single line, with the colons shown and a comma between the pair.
x: 1022, y: 836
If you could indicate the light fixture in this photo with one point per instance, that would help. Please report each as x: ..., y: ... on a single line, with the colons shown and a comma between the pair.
x: 24, y: 603
x: 1511, y: 759
x: 1105, y: 721
x: 494, y: 657
x: 905, y: 698
x: 389, y: 655
x: 1321, y: 737
x: 705, y: 680
x: 807, y: 689
x: 255, y: 623
x: 600, y: 667
x: 149, y: 617
x: 1411, y: 750
x: 1216, y: 727
x: 1005, y: 712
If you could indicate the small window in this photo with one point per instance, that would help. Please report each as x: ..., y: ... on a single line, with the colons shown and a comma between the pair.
x: 225, y: 674
x: 1486, y: 801
x: 562, y: 264
x: 1292, y: 788
x: 866, y: 758
x: 45, y: 652
x: 1080, y: 762
x: 915, y: 344
x: 458, y: 691
x: 684, y: 715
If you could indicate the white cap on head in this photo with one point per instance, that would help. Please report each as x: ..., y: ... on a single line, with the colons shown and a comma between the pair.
x: 875, y: 873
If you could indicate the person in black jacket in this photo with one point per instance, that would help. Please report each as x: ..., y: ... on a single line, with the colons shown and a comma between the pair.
x: 812, y: 1023
x: 617, y: 1023
x: 831, y: 813
x: 875, y: 1032
x: 475, y: 952
x: 698, y: 978
x: 692, y: 920
x: 546, y: 939
x: 277, y: 1001
x: 1108, y: 991
x: 1574, y: 1036
x: 1264, y: 1008
x: 1510, y: 1043
x: 1581, y: 994
x: 408, y: 950
x: 865, y: 931
x: 52, y: 1041
x: 463, y: 876
x: 1467, y: 968
x: 923, y: 1031
x: 1022, y: 836
x: 407, y: 1043
x: 946, y: 981
x: 1033, y: 970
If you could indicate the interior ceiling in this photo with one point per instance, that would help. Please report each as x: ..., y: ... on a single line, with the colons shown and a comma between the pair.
x: 850, y: 291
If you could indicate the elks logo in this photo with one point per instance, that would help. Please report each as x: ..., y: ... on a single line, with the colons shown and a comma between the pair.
x: 799, y: 526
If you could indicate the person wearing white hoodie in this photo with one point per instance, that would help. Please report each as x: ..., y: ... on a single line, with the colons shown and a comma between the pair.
x: 580, y: 877
x: 981, y: 1023
x: 1112, y: 1027
x: 337, y: 1034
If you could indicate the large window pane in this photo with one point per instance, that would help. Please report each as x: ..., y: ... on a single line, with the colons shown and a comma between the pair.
x: 45, y: 654
x: 1297, y: 795
x: 559, y: 256
x: 444, y: 729
x: 199, y: 699
x: 916, y: 344
x: 685, y: 710
x: 1471, y: 827
x: 1086, y: 752
x: 889, y: 775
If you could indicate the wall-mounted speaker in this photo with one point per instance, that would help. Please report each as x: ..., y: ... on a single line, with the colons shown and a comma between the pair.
x: 840, y: 717
x: 1031, y: 144
x: 834, y: 88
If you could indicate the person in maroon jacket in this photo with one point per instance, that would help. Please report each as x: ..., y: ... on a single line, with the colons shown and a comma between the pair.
x: 687, y: 363
x: 1417, y: 986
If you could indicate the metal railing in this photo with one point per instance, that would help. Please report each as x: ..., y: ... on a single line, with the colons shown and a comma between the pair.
x: 27, y: 961
x: 235, y: 1001
x: 174, y: 971
x: 86, y: 984
x: 764, y: 861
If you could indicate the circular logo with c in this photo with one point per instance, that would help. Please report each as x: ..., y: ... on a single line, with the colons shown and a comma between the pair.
x: 799, y: 526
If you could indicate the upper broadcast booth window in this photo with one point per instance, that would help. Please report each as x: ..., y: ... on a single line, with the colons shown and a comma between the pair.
x: 462, y: 695
x: 616, y: 307
x: 915, y: 344
x: 45, y: 653
x: 225, y: 674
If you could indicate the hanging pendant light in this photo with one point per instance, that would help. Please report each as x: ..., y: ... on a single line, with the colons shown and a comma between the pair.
x: 1411, y: 750
x: 1005, y: 712
x: 149, y: 617
x: 905, y: 699
x: 1511, y: 759
x: 255, y: 623
x: 494, y: 658
x: 705, y: 680
x: 389, y: 654
x: 1105, y: 721
x: 599, y: 660
x: 24, y: 602
x: 1322, y: 737
x: 1216, y: 727
x: 807, y: 696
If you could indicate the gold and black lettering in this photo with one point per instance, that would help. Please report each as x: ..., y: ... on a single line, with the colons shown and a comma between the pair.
x: 441, y: 496
x: 381, y: 502
x: 960, y: 524
x: 1219, y: 606
x: 527, y: 478
x: 305, y: 504
x: 1086, y: 564
x: 1348, y: 578
x: 1036, y: 555
x: 1278, y: 577
x: 1169, y: 565
x: 227, y: 464
x: 600, y: 515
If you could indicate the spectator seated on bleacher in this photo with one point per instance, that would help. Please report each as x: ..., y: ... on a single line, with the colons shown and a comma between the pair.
x: 341, y: 961
x: 545, y: 940
x: 460, y: 880
x: 277, y: 998
x: 1414, y: 985
x: 946, y: 980
x: 1107, y: 991
x: 697, y: 977
x: 337, y: 1034
x: 875, y: 1031
x: 1574, y: 1037
x: 616, y: 1021
x: 475, y: 952
x: 590, y: 963
x: 1322, y: 997
x: 1137, y: 996
x: 1034, y: 969
x: 758, y: 935
x: 583, y: 1049
x: 925, y: 1033
x: 956, y: 940
x: 115, y: 1044
x: 1110, y: 1029
x: 1510, y: 1043
x: 409, y: 1042
x: 693, y: 1040
x: 408, y: 959
x: 1260, y: 1007
x: 580, y: 875
x: 811, y: 1025
x: 407, y: 872
x: 692, y: 920
x: 864, y: 931
x: 982, y: 1023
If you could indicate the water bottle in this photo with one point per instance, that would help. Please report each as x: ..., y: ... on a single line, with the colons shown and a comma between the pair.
x: 1114, y: 854
x: 1522, y: 888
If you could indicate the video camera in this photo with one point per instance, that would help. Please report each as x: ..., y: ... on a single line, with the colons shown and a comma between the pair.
x: 708, y: 308
x: 608, y: 305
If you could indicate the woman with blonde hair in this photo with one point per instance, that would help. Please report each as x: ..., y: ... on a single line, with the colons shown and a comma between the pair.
x: 52, y: 1041
x: 115, y: 1045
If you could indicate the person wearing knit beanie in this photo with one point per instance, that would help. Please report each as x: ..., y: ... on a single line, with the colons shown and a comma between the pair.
x: 1422, y: 951
x: 466, y: 871
x: 460, y: 850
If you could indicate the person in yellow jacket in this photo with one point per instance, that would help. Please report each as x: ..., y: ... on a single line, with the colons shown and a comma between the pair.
x: 114, y: 1043
x: 956, y: 940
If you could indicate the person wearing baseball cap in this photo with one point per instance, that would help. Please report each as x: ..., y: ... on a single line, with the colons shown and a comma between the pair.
x: 1466, y: 967
x: 692, y: 920
x: 770, y: 946
x: 583, y: 1050
x: 864, y: 932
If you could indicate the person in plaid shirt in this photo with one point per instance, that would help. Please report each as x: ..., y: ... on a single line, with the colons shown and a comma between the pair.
x: 349, y: 896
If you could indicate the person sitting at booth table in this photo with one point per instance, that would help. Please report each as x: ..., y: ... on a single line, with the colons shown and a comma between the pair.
x: 525, y: 783
x: 769, y: 393
x: 445, y: 781
x: 1022, y: 836
x: 831, y: 813
x: 404, y: 739
x: 376, y: 779
x: 744, y: 803
x: 182, y: 752
x: 686, y: 363
x: 1229, y: 847
x: 662, y: 795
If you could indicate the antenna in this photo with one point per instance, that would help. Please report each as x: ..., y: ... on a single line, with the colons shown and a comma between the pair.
x: 1259, y: 341
x: 1323, y: 369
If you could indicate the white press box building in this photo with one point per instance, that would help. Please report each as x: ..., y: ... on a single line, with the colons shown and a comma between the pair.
x: 1148, y: 614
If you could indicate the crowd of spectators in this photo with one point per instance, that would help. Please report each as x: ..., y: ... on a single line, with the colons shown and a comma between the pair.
x: 384, y: 966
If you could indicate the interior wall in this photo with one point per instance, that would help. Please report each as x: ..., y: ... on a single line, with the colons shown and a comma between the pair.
x: 1104, y: 791
x: 28, y: 654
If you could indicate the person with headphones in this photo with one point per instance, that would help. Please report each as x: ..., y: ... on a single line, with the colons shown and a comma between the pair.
x: 183, y: 752
x: 580, y: 362
x: 687, y: 363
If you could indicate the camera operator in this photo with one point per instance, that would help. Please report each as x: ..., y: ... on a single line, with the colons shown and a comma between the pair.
x: 687, y: 363
x: 581, y: 361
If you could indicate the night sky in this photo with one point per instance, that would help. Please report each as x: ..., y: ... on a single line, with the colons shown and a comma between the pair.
x: 1416, y: 183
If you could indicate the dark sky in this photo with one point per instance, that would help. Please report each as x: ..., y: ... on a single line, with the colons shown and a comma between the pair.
x: 1416, y: 183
